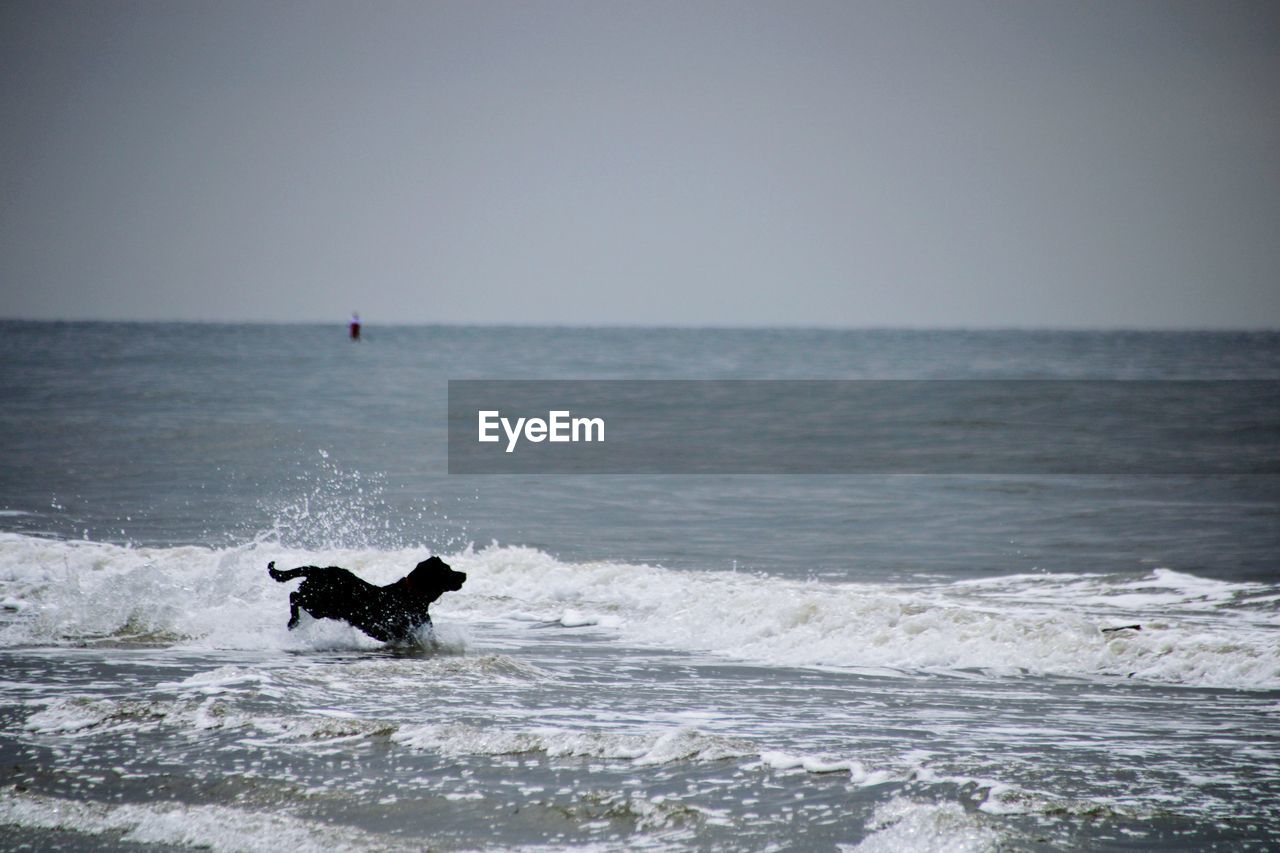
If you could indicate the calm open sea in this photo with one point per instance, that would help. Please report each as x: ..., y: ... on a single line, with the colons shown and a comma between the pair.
x: 877, y: 662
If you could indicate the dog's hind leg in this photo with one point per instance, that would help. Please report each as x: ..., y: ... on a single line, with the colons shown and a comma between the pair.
x: 293, y: 610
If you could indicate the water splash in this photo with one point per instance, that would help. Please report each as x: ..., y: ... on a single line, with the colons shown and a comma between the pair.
x: 328, y: 506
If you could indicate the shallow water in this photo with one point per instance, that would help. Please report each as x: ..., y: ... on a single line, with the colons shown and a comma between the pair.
x: 886, y: 663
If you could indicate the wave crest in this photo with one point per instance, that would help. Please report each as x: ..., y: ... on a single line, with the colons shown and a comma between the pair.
x: 1195, y: 631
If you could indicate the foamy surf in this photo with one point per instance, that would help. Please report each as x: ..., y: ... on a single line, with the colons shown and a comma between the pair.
x: 1195, y: 632
x: 328, y: 732
x: 996, y: 627
x: 903, y: 825
x: 680, y: 744
x: 217, y: 828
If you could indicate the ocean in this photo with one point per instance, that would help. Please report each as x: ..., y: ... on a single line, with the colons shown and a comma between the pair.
x: 852, y: 661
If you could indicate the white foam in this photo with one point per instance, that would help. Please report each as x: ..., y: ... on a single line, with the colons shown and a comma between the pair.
x: 1038, y: 624
x: 224, y: 679
x: 78, y: 715
x: 1196, y: 631
x: 678, y: 744
x: 902, y: 826
x: 83, y: 716
x: 210, y: 827
x: 813, y: 764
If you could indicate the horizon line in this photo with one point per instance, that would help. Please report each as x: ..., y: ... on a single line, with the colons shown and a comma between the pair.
x: 796, y: 327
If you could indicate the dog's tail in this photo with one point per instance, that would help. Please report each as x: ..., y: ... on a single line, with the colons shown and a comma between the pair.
x: 287, y: 574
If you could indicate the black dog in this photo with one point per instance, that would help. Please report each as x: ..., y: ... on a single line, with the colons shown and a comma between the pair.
x: 391, y: 613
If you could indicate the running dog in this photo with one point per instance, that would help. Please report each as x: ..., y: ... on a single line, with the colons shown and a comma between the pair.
x: 393, y: 613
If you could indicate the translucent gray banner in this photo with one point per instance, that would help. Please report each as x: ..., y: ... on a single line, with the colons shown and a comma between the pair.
x: 864, y: 427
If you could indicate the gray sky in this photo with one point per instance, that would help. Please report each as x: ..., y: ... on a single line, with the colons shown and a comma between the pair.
x: 1057, y: 164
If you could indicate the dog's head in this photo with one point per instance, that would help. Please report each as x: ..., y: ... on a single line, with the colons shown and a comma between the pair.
x: 434, y: 577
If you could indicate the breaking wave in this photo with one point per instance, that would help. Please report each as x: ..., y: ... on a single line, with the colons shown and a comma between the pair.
x: 1194, y: 631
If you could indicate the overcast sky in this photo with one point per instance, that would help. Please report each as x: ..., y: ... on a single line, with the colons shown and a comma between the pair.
x: 952, y: 163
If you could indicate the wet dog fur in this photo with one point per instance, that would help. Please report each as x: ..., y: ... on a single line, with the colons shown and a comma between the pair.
x: 394, y: 613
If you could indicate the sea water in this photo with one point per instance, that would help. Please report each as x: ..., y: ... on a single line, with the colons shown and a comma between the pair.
x: 871, y: 662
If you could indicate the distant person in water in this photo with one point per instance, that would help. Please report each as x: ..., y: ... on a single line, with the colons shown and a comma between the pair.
x: 355, y: 326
